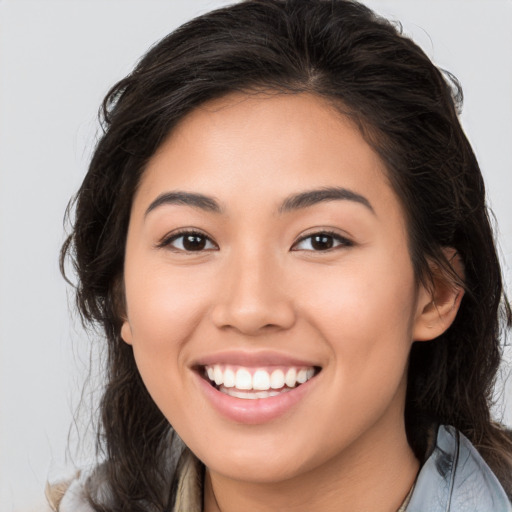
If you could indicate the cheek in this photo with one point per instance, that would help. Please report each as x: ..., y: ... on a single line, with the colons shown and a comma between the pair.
x: 164, y: 308
x: 161, y: 302
x: 360, y: 297
x: 364, y: 311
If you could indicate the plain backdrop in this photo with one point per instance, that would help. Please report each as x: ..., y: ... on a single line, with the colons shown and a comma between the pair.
x: 57, y: 61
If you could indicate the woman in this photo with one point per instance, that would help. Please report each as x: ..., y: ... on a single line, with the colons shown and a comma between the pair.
x: 283, y: 234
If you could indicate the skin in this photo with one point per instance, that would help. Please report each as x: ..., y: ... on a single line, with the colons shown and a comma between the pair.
x: 353, y: 310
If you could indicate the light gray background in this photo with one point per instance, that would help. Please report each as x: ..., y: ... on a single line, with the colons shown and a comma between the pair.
x: 57, y: 60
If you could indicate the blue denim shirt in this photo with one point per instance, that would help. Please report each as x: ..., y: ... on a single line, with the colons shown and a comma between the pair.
x: 455, y: 478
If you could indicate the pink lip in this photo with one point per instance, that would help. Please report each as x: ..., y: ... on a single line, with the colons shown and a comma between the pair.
x: 253, y: 412
x: 252, y: 359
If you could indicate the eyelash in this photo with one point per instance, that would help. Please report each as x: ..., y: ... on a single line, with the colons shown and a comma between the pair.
x: 343, y: 242
x: 167, y: 241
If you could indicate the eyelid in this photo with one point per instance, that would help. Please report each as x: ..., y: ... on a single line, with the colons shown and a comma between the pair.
x: 344, y: 241
x: 167, y: 240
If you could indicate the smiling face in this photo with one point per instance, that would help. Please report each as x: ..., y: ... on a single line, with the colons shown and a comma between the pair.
x: 271, y: 299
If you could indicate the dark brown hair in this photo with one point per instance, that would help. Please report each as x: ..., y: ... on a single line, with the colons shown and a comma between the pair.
x: 406, y: 109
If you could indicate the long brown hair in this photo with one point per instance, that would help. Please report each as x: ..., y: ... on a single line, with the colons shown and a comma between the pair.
x: 406, y: 109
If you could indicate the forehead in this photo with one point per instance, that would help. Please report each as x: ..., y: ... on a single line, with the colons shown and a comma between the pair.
x: 247, y: 148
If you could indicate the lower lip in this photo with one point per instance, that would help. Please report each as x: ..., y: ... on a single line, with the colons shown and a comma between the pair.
x: 255, y: 411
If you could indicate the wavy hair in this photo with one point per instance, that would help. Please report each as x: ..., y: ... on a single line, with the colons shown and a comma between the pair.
x: 406, y: 109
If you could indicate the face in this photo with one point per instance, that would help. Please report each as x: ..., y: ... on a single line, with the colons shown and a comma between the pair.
x: 271, y: 299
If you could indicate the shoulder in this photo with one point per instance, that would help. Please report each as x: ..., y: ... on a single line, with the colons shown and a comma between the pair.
x: 456, y: 478
x: 71, y: 495
x: 190, y: 479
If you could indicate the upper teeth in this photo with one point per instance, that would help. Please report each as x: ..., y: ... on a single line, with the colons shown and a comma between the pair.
x: 258, y: 379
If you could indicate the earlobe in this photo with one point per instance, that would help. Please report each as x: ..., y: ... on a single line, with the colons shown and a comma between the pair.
x: 126, y: 332
x: 438, y: 305
x: 119, y: 299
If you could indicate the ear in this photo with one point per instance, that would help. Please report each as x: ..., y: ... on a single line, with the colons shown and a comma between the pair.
x: 119, y: 301
x: 438, y: 305
x: 126, y: 332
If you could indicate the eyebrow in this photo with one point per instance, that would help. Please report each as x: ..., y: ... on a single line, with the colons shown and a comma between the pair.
x: 311, y: 197
x: 291, y: 203
x: 195, y: 200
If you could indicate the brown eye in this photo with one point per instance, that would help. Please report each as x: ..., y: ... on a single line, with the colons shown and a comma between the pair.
x: 322, y: 241
x: 188, y: 241
x: 194, y: 242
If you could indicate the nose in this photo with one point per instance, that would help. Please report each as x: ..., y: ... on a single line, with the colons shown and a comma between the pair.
x: 253, y: 297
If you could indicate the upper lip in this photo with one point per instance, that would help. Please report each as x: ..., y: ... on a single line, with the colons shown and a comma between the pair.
x: 252, y: 359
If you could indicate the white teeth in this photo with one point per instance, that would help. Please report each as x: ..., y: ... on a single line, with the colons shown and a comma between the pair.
x: 243, y: 379
x: 259, y: 382
x: 229, y: 378
x: 291, y: 377
x: 277, y: 379
x: 302, y: 376
x: 218, y: 375
x: 251, y: 395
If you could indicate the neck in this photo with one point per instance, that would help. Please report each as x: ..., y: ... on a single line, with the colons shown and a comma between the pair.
x: 371, y: 474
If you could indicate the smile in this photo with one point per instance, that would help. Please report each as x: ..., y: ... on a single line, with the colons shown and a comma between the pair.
x: 256, y: 383
x: 254, y: 388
